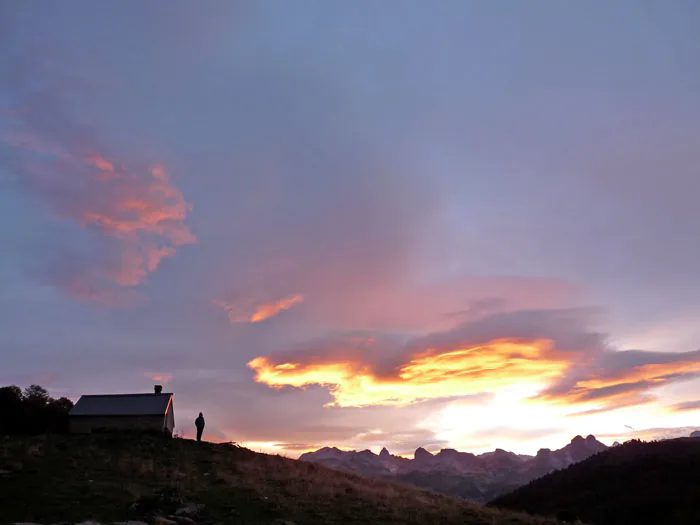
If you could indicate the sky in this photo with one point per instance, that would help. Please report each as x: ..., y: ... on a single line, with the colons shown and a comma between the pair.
x: 451, y: 224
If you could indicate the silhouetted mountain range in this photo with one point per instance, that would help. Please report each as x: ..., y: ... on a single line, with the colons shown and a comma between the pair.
x: 462, y: 474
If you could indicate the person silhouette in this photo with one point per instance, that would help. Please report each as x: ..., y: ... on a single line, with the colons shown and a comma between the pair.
x: 199, y: 423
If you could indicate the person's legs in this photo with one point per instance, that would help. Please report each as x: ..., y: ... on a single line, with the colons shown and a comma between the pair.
x: 199, y: 434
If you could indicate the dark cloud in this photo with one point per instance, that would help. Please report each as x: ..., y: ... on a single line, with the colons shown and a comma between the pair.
x: 569, y: 329
x: 616, y: 362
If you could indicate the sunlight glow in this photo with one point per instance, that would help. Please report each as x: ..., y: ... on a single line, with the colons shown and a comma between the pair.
x: 428, y: 375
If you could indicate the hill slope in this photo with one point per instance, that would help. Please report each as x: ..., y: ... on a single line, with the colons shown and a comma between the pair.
x: 636, y: 483
x: 55, y: 478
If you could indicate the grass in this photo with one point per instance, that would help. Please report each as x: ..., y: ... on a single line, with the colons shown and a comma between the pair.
x: 48, y: 479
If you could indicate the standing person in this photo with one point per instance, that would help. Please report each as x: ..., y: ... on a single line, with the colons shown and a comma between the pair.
x: 199, y: 423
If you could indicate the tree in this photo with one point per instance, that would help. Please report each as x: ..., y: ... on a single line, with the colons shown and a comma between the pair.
x: 8, y: 392
x: 63, y: 403
x: 37, y: 396
x: 11, y: 409
x: 56, y: 415
x: 33, y: 411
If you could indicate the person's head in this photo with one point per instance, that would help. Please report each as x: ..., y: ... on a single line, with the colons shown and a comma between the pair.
x: 200, y: 415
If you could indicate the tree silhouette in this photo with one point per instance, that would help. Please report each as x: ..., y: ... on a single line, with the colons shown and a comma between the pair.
x: 36, y: 396
x: 33, y: 411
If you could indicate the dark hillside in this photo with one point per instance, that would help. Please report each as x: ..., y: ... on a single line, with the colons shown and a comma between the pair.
x: 111, y: 477
x: 637, y: 483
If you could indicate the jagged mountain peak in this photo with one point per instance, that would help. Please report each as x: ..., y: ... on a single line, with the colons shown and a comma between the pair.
x: 452, y: 453
x: 326, y: 451
x: 590, y: 442
x: 421, y: 454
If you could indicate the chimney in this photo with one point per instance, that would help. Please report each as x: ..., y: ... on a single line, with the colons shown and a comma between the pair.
x: 158, y: 389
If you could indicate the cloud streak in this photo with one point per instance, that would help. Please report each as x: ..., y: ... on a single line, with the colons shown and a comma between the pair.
x: 260, y: 312
x: 615, y: 379
x: 686, y: 406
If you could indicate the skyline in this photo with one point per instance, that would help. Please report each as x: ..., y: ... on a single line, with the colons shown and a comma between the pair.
x: 456, y: 225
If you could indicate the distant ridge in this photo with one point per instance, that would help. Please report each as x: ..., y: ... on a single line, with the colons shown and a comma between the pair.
x: 461, y: 474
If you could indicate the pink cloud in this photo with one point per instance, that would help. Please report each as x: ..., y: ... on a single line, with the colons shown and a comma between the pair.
x: 145, y: 214
x: 161, y: 377
x: 133, y: 214
x: 140, y: 212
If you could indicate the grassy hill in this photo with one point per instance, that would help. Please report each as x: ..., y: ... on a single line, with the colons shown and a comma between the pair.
x: 59, y: 478
x: 637, y: 483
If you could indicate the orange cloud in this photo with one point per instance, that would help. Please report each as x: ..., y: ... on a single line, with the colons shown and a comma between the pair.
x: 431, y: 374
x: 160, y: 377
x: 268, y: 310
x: 541, y: 356
x: 258, y: 313
x: 147, y: 204
x: 625, y: 387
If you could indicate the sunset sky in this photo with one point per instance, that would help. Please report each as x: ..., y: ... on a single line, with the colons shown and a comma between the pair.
x: 450, y: 224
